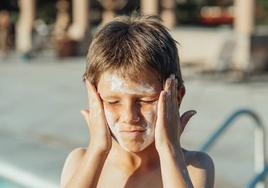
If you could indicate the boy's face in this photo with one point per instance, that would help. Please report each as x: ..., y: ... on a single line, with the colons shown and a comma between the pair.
x: 130, y: 108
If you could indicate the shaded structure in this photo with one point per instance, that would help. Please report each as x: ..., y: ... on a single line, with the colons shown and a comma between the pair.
x: 73, y: 25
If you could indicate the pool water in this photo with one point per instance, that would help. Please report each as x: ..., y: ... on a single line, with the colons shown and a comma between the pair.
x: 4, y: 183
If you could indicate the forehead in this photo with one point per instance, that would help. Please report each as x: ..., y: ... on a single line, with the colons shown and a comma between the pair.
x: 111, y: 82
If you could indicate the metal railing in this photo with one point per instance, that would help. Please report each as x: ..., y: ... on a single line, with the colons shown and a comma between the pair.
x: 255, y: 180
x: 259, y: 144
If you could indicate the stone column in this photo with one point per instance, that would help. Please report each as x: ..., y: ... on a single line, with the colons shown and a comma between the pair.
x: 110, y: 8
x: 79, y: 26
x: 244, y: 17
x: 25, y: 26
x: 149, y: 7
x: 168, y: 13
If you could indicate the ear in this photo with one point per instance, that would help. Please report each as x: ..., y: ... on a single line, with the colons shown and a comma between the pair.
x: 180, y: 93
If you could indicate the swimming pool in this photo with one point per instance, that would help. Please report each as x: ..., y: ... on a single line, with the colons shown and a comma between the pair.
x: 4, y: 183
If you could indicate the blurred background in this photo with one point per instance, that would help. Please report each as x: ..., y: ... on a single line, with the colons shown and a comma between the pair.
x: 223, y: 47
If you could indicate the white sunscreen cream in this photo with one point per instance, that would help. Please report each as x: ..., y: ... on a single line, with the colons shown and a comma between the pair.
x: 120, y: 85
x: 148, y: 136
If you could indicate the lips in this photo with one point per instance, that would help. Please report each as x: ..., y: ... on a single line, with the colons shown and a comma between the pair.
x: 134, y: 130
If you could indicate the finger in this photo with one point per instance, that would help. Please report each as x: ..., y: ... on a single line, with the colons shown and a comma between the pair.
x: 95, y: 103
x: 85, y: 114
x: 161, y: 108
x: 93, y: 96
x: 89, y: 90
x: 170, y: 88
x: 167, y: 84
x: 167, y: 96
x: 174, y: 93
x: 184, y: 119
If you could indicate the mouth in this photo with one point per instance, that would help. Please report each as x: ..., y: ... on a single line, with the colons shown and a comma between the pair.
x: 133, y: 132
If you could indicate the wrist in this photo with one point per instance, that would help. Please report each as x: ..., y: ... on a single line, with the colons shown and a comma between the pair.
x: 172, y: 160
x: 174, y: 149
x: 93, y: 150
x: 172, y: 153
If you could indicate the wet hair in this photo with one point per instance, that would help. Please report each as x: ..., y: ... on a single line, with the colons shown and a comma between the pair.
x: 130, y: 45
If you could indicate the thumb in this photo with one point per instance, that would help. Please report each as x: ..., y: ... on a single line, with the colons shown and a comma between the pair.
x: 85, y: 114
x: 186, y: 116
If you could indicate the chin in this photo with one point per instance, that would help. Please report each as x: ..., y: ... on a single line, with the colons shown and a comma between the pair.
x: 135, y: 149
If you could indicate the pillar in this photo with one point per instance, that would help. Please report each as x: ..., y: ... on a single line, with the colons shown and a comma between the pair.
x: 78, y: 28
x: 110, y: 7
x: 25, y: 26
x: 244, y: 27
x: 168, y: 13
x: 149, y: 7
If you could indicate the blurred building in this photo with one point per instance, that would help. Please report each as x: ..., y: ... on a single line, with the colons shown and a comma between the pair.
x: 228, y: 26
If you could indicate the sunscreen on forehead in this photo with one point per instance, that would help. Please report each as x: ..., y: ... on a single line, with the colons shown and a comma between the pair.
x: 120, y: 85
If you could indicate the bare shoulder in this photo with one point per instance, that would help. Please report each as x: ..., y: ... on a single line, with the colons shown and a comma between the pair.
x: 200, y: 167
x: 71, y: 163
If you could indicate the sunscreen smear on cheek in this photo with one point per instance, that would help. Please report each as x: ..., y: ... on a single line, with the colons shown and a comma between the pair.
x: 148, y: 136
x: 150, y: 127
x: 110, y: 121
x: 150, y: 115
x: 114, y: 128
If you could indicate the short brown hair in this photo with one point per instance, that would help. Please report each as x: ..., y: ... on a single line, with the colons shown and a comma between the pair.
x: 130, y: 45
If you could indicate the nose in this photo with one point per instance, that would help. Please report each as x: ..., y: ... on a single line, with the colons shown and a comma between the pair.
x: 131, y: 113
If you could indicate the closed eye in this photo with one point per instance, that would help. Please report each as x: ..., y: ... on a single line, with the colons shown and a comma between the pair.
x: 112, y: 102
x: 148, y: 101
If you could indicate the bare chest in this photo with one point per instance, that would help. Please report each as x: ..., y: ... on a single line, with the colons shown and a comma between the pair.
x: 119, y: 179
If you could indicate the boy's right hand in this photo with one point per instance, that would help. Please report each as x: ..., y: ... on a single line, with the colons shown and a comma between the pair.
x: 100, y: 136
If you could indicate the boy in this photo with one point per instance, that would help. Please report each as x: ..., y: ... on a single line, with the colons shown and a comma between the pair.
x: 135, y: 90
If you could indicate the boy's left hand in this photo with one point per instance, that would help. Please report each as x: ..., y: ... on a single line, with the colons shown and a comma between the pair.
x: 169, y: 124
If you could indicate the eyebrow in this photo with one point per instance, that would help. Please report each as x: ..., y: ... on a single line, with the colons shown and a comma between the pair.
x: 117, y: 95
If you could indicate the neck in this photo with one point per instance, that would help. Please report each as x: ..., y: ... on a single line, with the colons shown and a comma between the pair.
x: 143, y: 160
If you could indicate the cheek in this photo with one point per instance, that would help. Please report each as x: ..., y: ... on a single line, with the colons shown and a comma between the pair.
x: 150, y: 114
x: 110, y: 117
